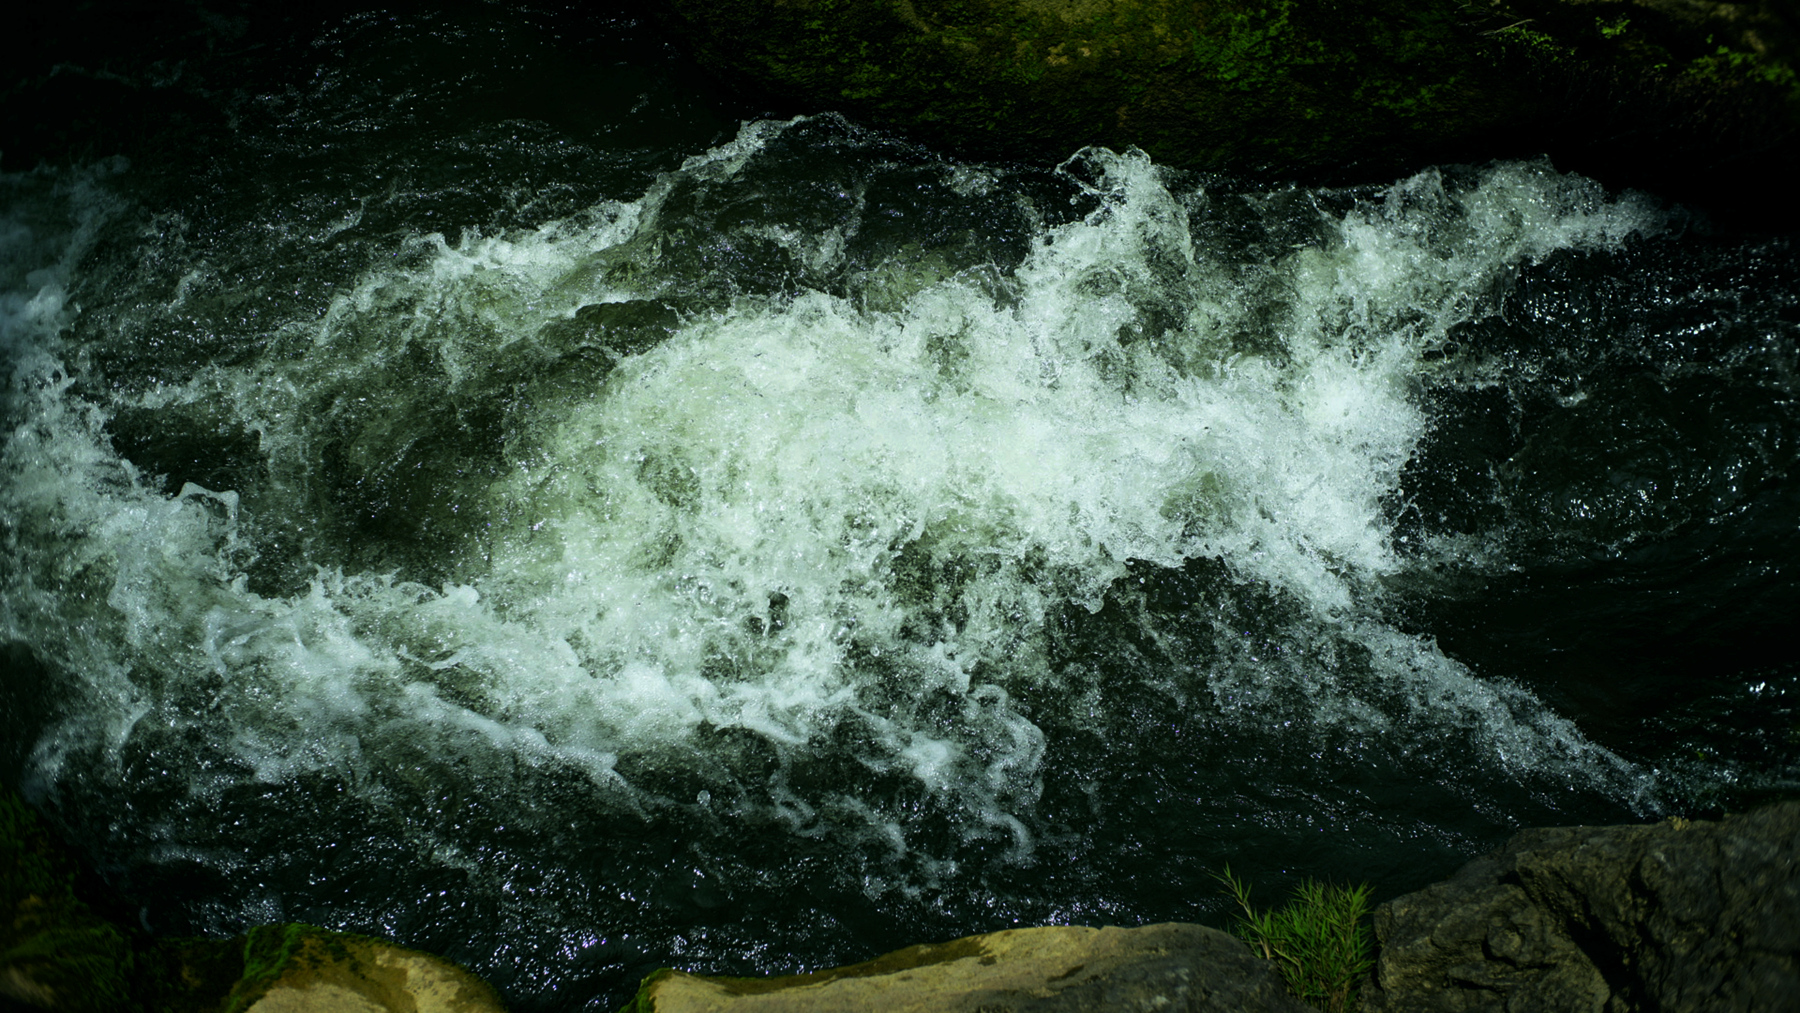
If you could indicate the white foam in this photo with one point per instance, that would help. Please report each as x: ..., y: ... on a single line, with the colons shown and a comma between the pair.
x: 803, y: 516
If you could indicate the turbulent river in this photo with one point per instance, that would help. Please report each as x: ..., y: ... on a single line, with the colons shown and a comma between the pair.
x: 497, y: 500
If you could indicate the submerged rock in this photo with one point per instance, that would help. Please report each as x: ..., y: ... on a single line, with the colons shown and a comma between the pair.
x: 1671, y: 917
x: 1061, y: 969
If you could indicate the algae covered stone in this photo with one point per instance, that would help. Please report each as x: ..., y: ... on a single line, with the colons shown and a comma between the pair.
x: 57, y: 954
x: 302, y: 969
x: 1175, y: 968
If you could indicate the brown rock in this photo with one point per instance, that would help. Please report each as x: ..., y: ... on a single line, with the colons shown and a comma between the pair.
x: 1172, y: 968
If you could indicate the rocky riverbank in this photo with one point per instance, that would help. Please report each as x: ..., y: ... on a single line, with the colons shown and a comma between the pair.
x: 57, y: 953
x: 1674, y: 916
x: 1678, y: 915
x: 1679, y: 96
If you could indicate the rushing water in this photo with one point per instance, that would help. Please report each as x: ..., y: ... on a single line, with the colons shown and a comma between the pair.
x: 576, y: 533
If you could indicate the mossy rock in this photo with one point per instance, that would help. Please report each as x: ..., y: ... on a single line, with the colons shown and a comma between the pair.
x: 303, y: 969
x: 1271, y: 84
x: 57, y: 954
x: 54, y: 952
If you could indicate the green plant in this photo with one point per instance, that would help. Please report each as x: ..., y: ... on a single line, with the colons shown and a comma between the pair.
x: 1320, y: 940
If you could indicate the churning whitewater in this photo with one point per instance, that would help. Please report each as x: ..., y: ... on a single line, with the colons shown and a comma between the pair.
x: 774, y: 491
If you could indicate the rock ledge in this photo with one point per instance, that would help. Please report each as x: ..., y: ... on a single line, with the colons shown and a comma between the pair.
x: 1174, y: 968
x: 1672, y: 917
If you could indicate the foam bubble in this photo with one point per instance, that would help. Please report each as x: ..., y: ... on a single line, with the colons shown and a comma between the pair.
x: 688, y: 526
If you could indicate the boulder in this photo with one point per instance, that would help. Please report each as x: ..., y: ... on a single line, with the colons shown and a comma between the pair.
x: 1172, y: 968
x: 302, y: 969
x: 1672, y: 917
x: 56, y: 953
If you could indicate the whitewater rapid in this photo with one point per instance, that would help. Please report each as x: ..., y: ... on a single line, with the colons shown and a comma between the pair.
x: 769, y: 494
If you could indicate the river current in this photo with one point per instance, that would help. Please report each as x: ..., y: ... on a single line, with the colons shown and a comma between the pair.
x: 492, y: 498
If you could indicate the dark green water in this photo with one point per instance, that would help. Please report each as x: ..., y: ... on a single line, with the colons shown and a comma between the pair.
x: 461, y: 484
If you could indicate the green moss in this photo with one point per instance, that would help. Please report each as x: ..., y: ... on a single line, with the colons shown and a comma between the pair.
x: 1275, y: 84
x: 84, y: 961
x: 1702, y: 51
x: 1532, y: 41
x: 268, y: 950
x: 56, y: 951
x: 641, y: 1002
x: 49, y: 940
x: 1729, y: 67
x: 1256, y: 49
x: 30, y: 863
x: 272, y: 951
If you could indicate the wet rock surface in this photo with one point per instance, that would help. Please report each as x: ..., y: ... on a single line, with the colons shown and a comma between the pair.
x: 1675, y: 916
x: 300, y: 969
x: 1062, y: 969
x: 1671, y: 917
x: 57, y: 953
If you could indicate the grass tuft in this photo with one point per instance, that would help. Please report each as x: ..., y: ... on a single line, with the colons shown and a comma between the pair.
x: 1320, y: 940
